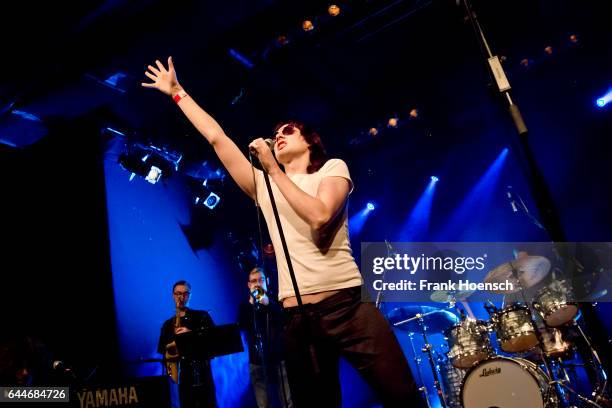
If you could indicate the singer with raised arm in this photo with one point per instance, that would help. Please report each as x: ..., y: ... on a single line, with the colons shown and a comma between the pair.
x: 310, y: 194
x: 193, y: 375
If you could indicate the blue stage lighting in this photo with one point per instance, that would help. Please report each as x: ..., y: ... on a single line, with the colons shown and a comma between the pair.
x: 604, y: 99
x: 370, y: 206
x: 434, y: 179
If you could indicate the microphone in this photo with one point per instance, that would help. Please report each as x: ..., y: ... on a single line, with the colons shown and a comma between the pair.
x: 258, y: 293
x: 269, y: 142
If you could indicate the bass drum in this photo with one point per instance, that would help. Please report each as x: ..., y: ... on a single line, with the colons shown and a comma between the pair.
x: 507, y: 383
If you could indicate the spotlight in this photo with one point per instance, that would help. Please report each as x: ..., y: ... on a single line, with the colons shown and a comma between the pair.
x: 434, y: 179
x: 604, y: 100
x: 525, y: 63
x: 307, y: 25
x: 206, y: 197
x: 370, y: 206
x: 393, y: 122
x: 211, y: 201
x: 154, y: 175
x: 149, y: 162
x: 373, y: 132
x: 573, y: 38
x: 333, y: 10
x: 414, y: 113
x: 548, y: 50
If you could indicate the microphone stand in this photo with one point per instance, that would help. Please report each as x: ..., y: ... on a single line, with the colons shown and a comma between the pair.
x: 535, y: 179
x: 304, y: 316
x: 259, y: 343
x: 379, y: 296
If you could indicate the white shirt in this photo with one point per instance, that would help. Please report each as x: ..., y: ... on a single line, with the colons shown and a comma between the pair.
x: 321, y: 261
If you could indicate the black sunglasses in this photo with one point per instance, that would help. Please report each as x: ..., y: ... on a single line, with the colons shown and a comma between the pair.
x: 287, y: 130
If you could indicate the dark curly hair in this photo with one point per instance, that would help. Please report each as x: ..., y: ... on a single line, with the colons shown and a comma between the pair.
x: 318, y: 157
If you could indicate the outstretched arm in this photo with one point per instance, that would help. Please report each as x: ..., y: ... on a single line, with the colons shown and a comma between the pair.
x: 239, y: 168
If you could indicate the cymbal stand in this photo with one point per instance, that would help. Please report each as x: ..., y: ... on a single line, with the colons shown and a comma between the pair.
x: 427, y: 349
x: 602, y: 382
x: 417, y: 360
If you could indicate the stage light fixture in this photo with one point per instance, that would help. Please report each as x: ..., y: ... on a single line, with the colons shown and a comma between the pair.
x: 150, y: 162
x: 333, y: 10
x: 373, y: 131
x: 206, y: 197
x: 307, y: 25
x: 393, y: 122
x: 604, y: 100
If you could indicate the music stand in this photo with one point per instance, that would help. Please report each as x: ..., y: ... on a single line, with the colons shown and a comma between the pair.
x: 209, y: 343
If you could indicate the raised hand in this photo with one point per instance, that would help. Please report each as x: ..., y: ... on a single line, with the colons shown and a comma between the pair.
x: 163, y: 79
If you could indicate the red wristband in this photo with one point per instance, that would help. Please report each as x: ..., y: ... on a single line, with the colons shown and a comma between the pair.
x: 180, y: 95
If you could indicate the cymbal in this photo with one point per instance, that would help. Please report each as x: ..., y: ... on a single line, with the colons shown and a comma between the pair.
x: 435, y: 319
x: 446, y: 296
x: 530, y: 270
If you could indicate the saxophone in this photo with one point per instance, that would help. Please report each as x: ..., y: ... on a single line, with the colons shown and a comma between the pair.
x: 172, y: 356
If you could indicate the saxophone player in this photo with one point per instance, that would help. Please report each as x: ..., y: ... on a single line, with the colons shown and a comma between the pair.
x: 196, y: 385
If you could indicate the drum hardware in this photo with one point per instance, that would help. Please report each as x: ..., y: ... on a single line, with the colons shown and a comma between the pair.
x: 452, y: 378
x: 601, y: 386
x: 427, y: 349
x: 417, y: 360
x: 435, y: 319
x: 425, y: 318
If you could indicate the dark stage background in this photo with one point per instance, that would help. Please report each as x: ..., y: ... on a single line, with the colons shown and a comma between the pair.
x: 89, y: 256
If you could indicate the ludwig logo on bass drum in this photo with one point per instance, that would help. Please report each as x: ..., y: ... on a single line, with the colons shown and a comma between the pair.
x: 490, y: 371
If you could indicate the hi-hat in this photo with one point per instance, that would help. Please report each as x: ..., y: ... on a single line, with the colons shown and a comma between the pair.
x: 523, y: 273
x: 434, y: 319
x: 447, y: 296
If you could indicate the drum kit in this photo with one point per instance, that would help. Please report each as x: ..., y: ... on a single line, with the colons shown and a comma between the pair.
x: 519, y: 357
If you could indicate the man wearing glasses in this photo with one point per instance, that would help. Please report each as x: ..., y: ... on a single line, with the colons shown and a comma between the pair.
x: 196, y: 385
x: 260, y: 320
x: 311, y: 193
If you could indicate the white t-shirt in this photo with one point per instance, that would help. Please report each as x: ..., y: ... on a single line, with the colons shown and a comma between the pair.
x: 321, y: 261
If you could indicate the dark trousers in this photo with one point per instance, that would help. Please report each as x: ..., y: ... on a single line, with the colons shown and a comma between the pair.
x: 343, y: 325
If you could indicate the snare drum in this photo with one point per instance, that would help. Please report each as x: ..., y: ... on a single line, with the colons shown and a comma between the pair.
x: 507, y: 383
x: 514, y: 328
x: 555, y: 303
x: 468, y: 343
